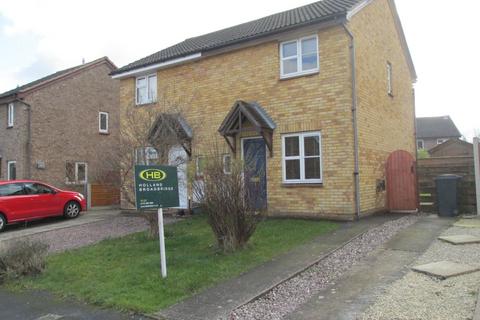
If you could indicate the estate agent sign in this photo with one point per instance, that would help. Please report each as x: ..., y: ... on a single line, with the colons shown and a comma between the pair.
x: 156, y: 187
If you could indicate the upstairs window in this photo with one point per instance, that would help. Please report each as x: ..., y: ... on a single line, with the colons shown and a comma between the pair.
x: 389, y: 79
x: 103, y: 122
x: 146, y: 89
x: 11, y: 115
x: 299, y: 57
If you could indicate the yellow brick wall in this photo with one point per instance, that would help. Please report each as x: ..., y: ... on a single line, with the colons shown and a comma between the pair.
x: 317, y: 102
x: 385, y: 123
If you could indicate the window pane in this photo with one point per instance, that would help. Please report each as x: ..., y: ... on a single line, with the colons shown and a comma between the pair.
x: 81, y: 171
x: 292, y: 147
x: 11, y: 189
x: 309, y: 46
x: 12, y: 171
x: 292, y: 169
x: 152, y: 88
x: 103, y: 121
x: 70, y: 171
x: 309, y: 62
x: 227, y: 164
x: 142, y: 95
x: 289, y: 49
x: 312, y: 146
x: 290, y: 66
x: 312, y: 168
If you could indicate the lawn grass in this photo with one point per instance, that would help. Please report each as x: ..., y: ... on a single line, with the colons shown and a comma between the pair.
x: 124, y: 273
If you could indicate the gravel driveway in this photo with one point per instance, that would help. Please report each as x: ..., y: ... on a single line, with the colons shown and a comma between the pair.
x: 82, y: 235
x: 418, y: 296
x: 289, y: 295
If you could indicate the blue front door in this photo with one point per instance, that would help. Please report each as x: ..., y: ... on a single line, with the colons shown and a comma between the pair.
x: 255, y: 157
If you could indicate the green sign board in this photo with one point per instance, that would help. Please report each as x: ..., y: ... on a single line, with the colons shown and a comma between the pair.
x: 156, y: 187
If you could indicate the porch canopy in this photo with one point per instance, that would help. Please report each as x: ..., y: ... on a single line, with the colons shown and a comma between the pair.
x: 247, y: 117
x: 174, y: 127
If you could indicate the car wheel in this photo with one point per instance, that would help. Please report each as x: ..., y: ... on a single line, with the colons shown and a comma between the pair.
x: 72, y: 210
x: 3, y: 222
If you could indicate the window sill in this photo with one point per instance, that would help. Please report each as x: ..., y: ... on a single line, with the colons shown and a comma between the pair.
x: 302, y: 185
x: 300, y: 74
x: 390, y: 95
x: 9, y: 127
x: 104, y: 133
x: 146, y: 104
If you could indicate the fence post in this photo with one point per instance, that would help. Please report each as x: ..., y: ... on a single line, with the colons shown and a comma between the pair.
x: 476, y: 157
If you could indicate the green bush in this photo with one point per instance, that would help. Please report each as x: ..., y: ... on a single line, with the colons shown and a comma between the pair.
x: 21, y: 259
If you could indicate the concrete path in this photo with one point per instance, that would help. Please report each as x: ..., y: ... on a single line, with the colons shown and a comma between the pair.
x: 348, y: 298
x: 39, y: 305
x: 217, y: 302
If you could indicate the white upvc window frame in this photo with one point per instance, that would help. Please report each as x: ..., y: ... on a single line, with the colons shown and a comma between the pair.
x: 224, y: 160
x: 100, y: 114
x: 423, y: 144
x: 11, y: 115
x: 9, y: 163
x: 150, y: 99
x: 300, y: 71
x: 301, y: 157
x: 389, y: 79
x: 441, y: 140
x: 77, y: 164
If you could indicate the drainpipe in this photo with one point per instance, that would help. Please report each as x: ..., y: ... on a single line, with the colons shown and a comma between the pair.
x: 29, y: 137
x: 356, y: 170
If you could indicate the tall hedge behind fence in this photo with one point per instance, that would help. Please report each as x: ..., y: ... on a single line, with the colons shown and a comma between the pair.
x: 428, y: 169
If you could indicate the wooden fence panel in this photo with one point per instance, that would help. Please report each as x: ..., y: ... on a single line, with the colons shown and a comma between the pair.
x: 430, y: 168
x: 104, y: 195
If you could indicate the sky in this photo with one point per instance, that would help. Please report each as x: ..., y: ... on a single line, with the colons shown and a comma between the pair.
x: 40, y: 37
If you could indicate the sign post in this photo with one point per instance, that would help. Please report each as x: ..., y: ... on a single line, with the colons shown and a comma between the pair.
x: 476, y: 158
x: 156, y: 187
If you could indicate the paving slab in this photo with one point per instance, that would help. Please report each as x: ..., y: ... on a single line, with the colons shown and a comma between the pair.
x: 219, y: 301
x: 468, y: 223
x: 445, y: 269
x: 348, y: 298
x: 460, y: 239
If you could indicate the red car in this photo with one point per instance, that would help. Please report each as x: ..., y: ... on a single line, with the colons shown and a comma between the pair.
x: 25, y: 200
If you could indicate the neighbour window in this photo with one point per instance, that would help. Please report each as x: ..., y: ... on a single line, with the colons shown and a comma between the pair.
x: 200, y: 165
x: 299, y: 57
x: 11, y: 115
x: 420, y: 144
x: 146, y: 89
x: 11, y: 189
x: 103, y: 122
x: 76, y: 172
x: 146, y: 155
x: 11, y: 170
x: 440, y: 141
x: 302, y: 158
x: 227, y: 164
x: 389, y: 79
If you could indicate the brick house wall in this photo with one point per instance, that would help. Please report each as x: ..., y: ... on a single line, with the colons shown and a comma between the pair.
x: 13, y: 141
x: 385, y: 123
x: 319, y: 102
x: 65, y: 126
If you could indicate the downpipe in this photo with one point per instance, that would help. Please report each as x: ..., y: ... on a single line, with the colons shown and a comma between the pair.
x: 29, y: 137
x: 356, y: 170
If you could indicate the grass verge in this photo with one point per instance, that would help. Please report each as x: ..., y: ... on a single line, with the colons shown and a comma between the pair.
x: 124, y: 273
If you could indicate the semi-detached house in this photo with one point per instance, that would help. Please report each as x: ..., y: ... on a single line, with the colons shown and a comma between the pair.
x: 321, y: 95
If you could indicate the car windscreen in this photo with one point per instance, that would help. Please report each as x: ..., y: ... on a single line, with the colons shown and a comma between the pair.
x: 11, y: 189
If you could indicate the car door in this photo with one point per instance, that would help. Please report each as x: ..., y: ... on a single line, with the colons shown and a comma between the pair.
x: 14, y: 202
x: 43, y: 200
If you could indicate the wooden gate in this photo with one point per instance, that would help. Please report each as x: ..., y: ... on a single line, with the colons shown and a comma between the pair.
x: 401, y: 181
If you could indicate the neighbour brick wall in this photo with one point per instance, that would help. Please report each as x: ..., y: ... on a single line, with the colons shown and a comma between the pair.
x: 317, y: 102
x: 385, y: 123
x: 13, y: 141
x: 65, y: 125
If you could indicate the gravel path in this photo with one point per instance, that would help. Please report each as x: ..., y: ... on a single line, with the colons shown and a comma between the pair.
x: 286, y: 297
x: 418, y: 296
x: 78, y: 236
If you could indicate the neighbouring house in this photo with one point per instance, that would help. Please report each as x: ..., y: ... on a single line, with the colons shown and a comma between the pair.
x: 60, y: 128
x: 432, y: 131
x: 452, y: 148
x: 318, y: 96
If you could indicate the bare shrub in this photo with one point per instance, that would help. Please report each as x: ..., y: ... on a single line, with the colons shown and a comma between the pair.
x: 21, y: 259
x: 229, y: 205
